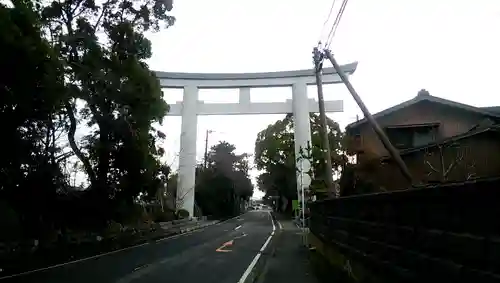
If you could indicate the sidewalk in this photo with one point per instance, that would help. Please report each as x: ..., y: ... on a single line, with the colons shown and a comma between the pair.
x: 290, y: 261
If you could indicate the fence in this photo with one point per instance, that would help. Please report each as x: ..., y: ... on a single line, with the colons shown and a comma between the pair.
x: 446, y: 232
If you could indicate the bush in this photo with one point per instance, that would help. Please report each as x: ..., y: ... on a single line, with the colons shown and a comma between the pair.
x: 129, y: 214
x: 113, y: 229
x: 182, y: 214
x: 9, y: 222
x: 160, y: 216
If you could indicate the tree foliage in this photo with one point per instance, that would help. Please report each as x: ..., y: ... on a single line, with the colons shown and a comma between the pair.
x: 31, y: 100
x: 103, y: 49
x: 275, y: 156
x: 71, y: 65
x: 225, y: 183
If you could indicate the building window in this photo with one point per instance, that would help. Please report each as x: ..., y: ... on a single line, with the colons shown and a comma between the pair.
x: 358, y: 142
x: 404, y: 137
x: 400, y: 138
x: 423, y: 136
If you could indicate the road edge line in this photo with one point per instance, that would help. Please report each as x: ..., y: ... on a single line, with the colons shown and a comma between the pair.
x: 254, y: 261
x: 280, y: 225
x: 115, y: 251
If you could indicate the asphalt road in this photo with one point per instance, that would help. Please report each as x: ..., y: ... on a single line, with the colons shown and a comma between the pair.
x: 216, y: 254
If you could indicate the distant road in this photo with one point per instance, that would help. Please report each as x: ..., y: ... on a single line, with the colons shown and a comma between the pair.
x: 216, y: 254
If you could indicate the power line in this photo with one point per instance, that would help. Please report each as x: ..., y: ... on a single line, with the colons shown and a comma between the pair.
x: 327, y: 18
x: 336, y: 23
x: 341, y: 13
x: 375, y: 126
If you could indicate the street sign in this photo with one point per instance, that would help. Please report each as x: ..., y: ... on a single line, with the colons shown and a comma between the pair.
x: 306, y: 180
x: 306, y: 165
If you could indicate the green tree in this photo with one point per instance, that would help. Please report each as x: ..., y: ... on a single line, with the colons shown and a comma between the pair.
x: 275, y: 156
x: 70, y: 64
x: 111, y: 90
x: 31, y: 100
x: 225, y: 183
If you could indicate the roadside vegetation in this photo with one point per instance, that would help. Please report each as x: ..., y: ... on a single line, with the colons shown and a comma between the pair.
x: 80, y: 111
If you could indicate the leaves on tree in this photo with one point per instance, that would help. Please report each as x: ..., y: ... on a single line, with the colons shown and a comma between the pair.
x: 72, y: 64
x: 275, y: 156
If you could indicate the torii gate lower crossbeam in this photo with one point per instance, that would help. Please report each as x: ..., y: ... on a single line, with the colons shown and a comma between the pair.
x: 191, y: 107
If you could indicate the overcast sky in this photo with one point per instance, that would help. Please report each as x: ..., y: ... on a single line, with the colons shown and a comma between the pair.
x: 449, y: 47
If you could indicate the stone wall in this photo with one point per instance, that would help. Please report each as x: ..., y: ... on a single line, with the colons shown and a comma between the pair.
x: 447, y: 232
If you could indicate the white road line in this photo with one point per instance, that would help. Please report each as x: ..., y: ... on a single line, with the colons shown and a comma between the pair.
x: 70, y: 262
x: 140, y: 267
x: 242, y: 235
x: 105, y: 254
x: 172, y: 237
x: 281, y: 226
x: 257, y: 257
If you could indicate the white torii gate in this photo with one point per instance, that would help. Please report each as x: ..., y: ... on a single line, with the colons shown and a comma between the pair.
x: 190, y: 107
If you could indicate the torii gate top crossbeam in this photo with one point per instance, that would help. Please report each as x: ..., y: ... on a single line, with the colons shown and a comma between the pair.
x: 238, y: 80
x: 191, y: 107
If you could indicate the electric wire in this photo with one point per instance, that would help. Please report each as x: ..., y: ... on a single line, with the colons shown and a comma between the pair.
x: 328, y: 17
x: 336, y: 23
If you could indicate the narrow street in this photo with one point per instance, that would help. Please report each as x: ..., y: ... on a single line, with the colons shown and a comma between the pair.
x: 216, y: 254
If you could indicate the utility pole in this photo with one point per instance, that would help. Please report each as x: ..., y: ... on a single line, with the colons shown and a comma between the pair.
x: 376, y: 127
x: 318, y: 65
x: 206, y: 149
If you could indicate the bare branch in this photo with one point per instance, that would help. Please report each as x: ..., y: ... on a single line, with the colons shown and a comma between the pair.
x: 104, y: 10
x: 432, y: 167
x: 441, y: 158
x: 180, y: 199
x: 77, y: 5
x: 453, y: 164
x: 71, y: 137
x: 64, y: 156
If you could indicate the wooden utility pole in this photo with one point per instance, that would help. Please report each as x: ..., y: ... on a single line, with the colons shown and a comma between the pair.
x: 318, y: 65
x: 376, y: 127
x: 206, y: 149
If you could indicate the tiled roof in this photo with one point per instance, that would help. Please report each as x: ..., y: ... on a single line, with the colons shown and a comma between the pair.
x: 423, y: 95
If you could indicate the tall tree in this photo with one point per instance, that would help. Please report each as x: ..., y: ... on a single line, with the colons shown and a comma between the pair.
x: 225, y: 183
x: 31, y: 100
x: 275, y: 156
x: 112, y: 90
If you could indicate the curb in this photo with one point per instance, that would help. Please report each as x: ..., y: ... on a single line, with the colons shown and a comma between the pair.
x: 183, y: 231
x: 171, y: 234
x: 197, y: 227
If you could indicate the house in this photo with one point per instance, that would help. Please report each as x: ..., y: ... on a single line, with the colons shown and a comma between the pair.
x: 439, y: 140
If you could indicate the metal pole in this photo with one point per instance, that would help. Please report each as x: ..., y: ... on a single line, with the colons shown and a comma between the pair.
x: 318, y: 64
x: 376, y: 127
x: 303, y: 205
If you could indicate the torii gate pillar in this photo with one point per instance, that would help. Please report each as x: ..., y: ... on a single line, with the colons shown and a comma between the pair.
x: 190, y: 107
x: 187, y: 154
